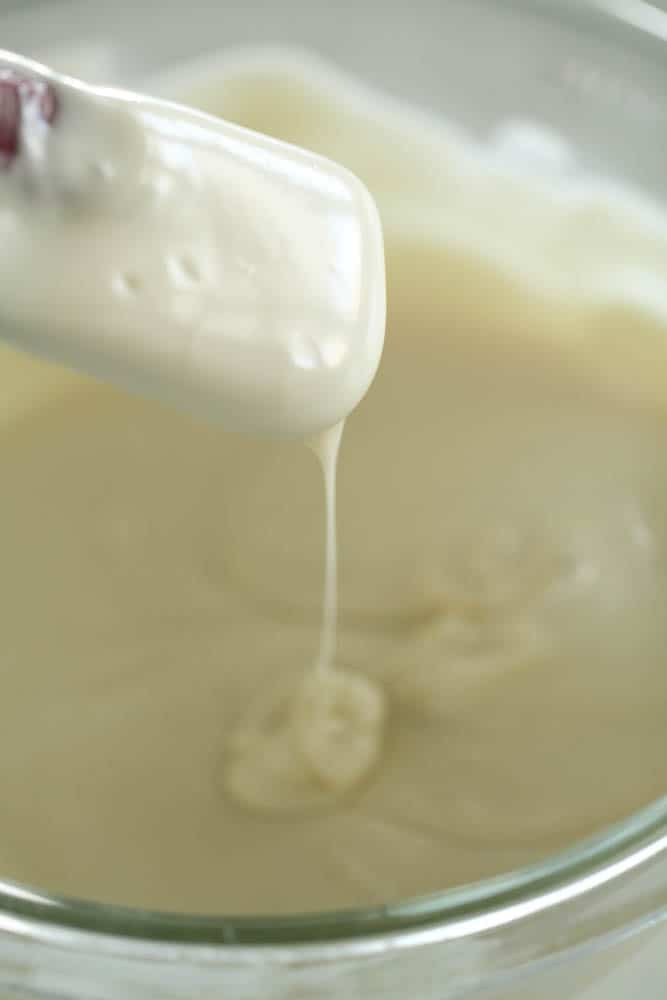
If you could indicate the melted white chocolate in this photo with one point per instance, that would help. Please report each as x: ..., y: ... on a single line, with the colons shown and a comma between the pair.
x: 322, y: 737
x: 498, y: 688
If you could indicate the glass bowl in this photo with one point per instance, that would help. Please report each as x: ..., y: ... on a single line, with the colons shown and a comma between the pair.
x: 588, y: 924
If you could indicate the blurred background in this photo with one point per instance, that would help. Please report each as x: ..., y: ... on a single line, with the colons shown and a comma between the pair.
x: 637, y: 6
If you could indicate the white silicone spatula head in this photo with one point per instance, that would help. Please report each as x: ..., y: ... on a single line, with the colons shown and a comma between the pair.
x: 183, y: 257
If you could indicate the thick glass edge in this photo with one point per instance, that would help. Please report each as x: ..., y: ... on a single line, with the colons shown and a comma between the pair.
x: 566, y: 868
x: 617, y: 18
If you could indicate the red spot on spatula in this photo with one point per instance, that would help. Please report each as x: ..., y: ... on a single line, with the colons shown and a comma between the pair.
x: 22, y: 100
